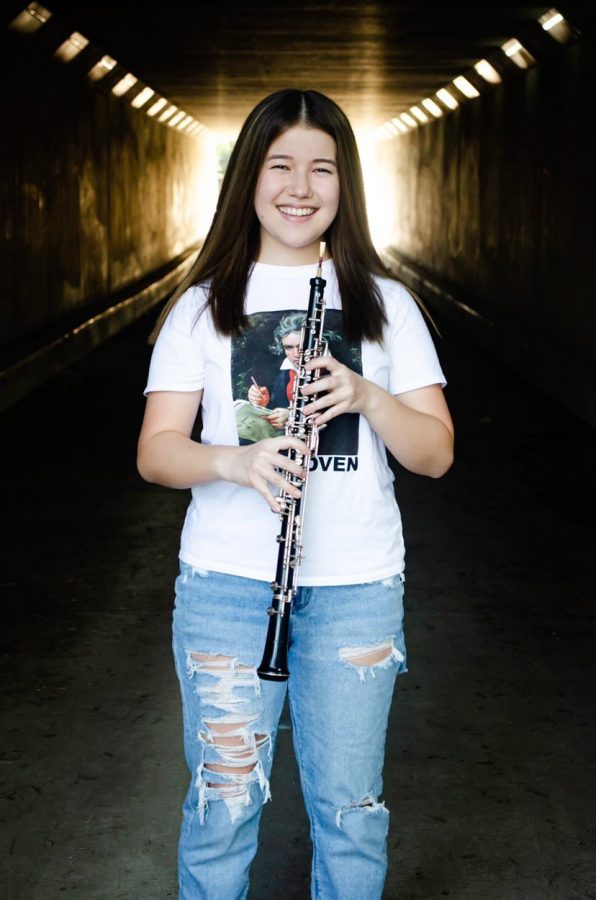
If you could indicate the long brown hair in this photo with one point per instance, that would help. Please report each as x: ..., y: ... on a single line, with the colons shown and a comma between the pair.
x: 232, y: 243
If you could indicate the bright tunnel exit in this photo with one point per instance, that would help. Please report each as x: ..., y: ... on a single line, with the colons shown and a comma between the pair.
x: 379, y: 187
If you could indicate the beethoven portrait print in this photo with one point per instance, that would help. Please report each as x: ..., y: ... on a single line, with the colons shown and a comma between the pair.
x: 264, y: 361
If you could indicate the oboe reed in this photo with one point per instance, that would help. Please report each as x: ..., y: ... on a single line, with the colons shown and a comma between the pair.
x: 322, y: 246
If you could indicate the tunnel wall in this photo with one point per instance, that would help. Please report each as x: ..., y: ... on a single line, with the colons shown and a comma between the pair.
x: 495, y: 201
x: 96, y: 195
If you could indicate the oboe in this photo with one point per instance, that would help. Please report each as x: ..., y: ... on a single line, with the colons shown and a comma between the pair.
x: 274, y: 665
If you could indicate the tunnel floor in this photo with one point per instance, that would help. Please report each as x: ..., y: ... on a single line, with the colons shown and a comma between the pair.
x: 490, y: 772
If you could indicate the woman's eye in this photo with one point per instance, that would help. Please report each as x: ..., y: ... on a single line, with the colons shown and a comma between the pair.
x: 324, y: 170
x: 280, y: 166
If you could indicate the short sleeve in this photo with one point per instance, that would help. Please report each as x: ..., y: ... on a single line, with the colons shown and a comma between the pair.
x: 413, y: 359
x: 177, y: 362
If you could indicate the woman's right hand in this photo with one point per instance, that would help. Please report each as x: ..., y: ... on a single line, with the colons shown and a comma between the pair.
x: 167, y: 455
x: 263, y: 463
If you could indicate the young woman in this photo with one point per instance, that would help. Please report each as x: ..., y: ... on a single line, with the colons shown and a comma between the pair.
x: 293, y: 180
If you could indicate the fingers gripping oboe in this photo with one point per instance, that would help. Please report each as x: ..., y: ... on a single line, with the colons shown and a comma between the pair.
x: 274, y: 665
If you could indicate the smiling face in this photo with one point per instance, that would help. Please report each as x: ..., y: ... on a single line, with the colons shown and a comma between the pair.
x: 297, y: 196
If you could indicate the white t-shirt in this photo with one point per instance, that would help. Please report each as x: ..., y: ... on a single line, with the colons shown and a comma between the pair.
x: 352, y: 530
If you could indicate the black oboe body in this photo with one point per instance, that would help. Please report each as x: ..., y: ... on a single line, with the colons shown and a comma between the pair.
x: 274, y: 665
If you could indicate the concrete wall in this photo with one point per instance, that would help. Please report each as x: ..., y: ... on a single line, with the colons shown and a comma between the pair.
x: 496, y: 201
x: 95, y: 195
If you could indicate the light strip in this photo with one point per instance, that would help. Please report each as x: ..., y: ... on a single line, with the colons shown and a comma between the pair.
x: 31, y: 18
x: 466, y: 87
x: 142, y: 97
x: 433, y: 108
x: 447, y: 98
x: 39, y: 12
x: 517, y: 53
x: 550, y: 19
x: 167, y: 113
x: 408, y: 119
x: 101, y: 69
x: 35, y: 15
x: 390, y: 128
x: 177, y: 118
x: 157, y: 106
x: 401, y: 127
x: 71, y: 47
x: 124, y: 85
x: 556, y: 26
x: 511, y: 47
x: 488, y: 72
x: 417, y: 112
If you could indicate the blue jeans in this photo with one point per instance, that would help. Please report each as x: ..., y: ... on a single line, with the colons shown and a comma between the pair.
x: 346, y: 648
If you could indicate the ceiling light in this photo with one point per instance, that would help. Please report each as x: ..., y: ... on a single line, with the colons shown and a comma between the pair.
x: 390, y: 128
x: 101, y: 69
x: 417, y: 112
x: 184, y: 123
x: 557, y: 26
x: 432, y: 107
x: 399, y: 125
x: 157, y: 106
x: 71, y: 47
x: 142, y: 97
x: 177, y: 118
x: 447, y: 98
x: 550, y: 19
x: 511, y: 47
x: 488, y: 72
x: 407, y: 118
x: 31, y: 18
x: 124, y: 85
x: 517, y: 53
x: 167, y: 113
x: 466, y: 87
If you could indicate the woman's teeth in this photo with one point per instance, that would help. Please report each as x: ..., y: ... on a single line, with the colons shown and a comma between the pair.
x: 297, y: 211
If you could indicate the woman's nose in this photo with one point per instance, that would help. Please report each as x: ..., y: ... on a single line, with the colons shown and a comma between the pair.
x: 300, y: 185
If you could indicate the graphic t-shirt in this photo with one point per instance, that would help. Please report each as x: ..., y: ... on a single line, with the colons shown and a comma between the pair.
x: 352, y: 530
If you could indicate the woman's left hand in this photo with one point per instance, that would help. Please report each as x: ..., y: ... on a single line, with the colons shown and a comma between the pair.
x: 344, y: 390
x: 415, y: 426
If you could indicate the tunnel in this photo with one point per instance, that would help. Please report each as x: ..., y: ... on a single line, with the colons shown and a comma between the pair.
x: 473, y: 122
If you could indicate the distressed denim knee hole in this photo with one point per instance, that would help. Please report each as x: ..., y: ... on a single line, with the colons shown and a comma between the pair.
x: 369, y: 659
x: 231, y: 744
x: 368, y: 805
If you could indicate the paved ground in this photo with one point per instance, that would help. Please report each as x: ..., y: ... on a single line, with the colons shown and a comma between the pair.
x: 490, y: 768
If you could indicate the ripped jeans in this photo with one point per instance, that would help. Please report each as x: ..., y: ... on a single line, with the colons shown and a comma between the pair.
x: 346, y: 647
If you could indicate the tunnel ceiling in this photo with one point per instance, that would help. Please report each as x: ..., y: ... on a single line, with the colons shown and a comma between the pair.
x: 216, y: 60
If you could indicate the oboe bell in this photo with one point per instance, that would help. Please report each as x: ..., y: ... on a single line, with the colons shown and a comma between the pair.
x: 274, y: 665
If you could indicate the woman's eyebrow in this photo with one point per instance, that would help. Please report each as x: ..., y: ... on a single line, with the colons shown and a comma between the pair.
x: 286, y: 156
